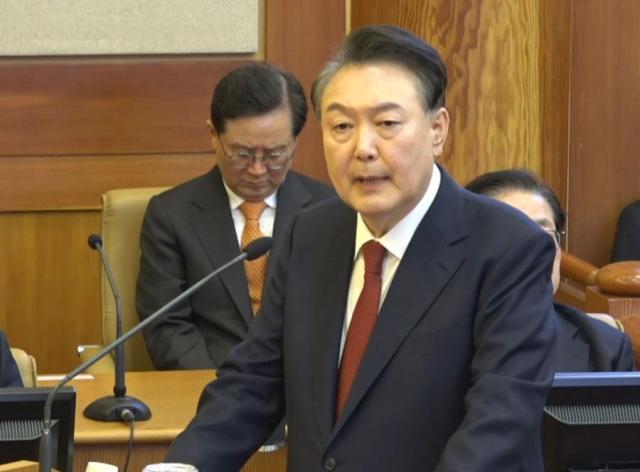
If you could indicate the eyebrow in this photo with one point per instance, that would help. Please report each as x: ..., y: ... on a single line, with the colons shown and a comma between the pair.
x: 385, y: 106
x: 545, y: 223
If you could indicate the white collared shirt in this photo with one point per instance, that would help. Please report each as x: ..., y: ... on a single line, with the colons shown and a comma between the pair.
x: 395, y: 241
x: 267, y: 219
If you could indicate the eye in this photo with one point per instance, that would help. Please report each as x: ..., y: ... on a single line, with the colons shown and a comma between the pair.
x: 275, y: 156
x: 342, y: 127
x: 244, y: 155
x: 388, y: 123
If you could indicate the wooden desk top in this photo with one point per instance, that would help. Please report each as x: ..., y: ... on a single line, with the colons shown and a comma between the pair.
x: 172, y: 397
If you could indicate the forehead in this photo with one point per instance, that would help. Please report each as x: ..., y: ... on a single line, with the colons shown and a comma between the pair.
x: 274, y: 127
x: 369, y: 85
x: 531, y: 204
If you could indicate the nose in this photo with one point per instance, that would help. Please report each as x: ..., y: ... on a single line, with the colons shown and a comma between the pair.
x: 366, y: 148
x: 257, y: 166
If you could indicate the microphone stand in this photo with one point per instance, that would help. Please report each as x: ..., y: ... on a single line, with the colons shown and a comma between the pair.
x: 252, y: 251
x: 111, y: 408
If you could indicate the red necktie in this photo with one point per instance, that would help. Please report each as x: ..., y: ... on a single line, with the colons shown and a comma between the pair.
x: 257, y: 268
x: 362, y: 322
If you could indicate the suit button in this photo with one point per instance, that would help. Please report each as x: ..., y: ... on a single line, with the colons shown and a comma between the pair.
x: 329, y: 464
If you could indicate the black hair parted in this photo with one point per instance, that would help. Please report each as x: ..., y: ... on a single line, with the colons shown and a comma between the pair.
x: 254, y: 90
x: 394, y: 45
x: 492, y: 184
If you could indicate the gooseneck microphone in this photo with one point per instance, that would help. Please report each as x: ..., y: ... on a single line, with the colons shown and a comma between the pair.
x: 252, y: 251
x: 111, y: 408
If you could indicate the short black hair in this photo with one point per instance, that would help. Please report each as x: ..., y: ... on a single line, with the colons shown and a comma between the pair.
x: 254, y: 90
x: 393, y: 45
x: 492, y: 184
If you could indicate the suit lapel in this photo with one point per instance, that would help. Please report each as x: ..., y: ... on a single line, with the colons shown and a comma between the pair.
x: 212, y: 222
x: 292, y: 198
x: 328, y: 318
x: 431, y: 259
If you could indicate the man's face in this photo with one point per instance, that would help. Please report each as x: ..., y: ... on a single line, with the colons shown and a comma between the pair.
x: 379, y: 142
x: 535, y: 207
x: 262, y: 134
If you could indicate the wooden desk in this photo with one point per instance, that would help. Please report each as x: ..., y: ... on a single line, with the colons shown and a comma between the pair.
x: 172, y: 397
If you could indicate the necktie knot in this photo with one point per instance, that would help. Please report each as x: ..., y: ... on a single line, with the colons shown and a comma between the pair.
x: 252, y: 210
x: 373, y: 253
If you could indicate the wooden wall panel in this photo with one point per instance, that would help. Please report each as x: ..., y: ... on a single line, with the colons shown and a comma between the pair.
x: 75, y: 127
x: 506, y: 110
x: 605, y: 112
x: 87, y: 107
x: 49, y: 284
x: 76, y: 182
x: 301, y: 35
x: 554, y: 63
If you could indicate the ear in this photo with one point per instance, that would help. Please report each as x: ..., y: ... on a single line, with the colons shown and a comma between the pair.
x: 214, y: 136
x: 212, y: 130
x: 439, y: 129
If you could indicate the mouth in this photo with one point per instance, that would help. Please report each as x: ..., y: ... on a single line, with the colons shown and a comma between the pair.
x: 258, y: 184
x: 370, y: 181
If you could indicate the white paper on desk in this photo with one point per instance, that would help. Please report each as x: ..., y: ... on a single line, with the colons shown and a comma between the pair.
x: 170, y: 467
x: 100, y: 467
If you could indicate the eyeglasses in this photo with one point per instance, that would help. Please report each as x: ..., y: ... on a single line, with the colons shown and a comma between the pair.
x: 272, y: 160
x: 555, y: 234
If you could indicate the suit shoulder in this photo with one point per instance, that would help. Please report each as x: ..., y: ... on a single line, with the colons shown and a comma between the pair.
x: 186, y: 189
x: 319, y: 190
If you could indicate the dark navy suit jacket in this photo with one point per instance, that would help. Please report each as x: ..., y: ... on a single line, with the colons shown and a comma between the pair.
x: 626, y: 246
x: 589, y: 345
x: 9, y: 374
x: 456, y: 372
x: 187, y: 232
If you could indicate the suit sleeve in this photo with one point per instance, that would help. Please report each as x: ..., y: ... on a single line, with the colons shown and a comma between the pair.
x: 174, y: 341
x: 513, y: 365
x: 9, y: 373
x: 625, y: 361
x: 238, y: 411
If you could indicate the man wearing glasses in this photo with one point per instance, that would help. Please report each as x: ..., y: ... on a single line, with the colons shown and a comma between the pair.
x: 257, y: 112
x: 584, y: 344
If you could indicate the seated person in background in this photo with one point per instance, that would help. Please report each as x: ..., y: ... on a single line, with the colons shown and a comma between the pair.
x: 257, y: 112
x: 626, y: 246
x: 9, y: 374
x: 584, y: 343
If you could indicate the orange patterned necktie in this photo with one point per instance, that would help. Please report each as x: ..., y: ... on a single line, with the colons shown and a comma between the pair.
x: 257, y: 268
x: 363, y: 320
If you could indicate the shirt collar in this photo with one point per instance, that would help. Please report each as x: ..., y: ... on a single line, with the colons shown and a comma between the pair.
x: 397, y: 239
x: 236, y: 200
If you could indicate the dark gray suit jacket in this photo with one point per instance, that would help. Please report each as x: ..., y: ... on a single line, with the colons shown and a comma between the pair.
x: 9, y: 374
x: 589, y: 345
x: 456, y: 372
x: 188, y: 232
x: 626, y: 246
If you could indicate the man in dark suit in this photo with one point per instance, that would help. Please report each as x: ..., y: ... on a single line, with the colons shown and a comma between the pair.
x: 626, y: 246
x: 257, y: 112
x: 584, y: 343
x: 9, y: 373
x: 407, y: 327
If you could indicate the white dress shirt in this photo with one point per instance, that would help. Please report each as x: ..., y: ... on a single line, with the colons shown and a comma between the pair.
x: 267, y: 219
x: 395, y: 241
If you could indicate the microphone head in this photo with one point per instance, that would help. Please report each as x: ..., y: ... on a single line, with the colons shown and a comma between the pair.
x: 95, y: 241
x: 257, y: 248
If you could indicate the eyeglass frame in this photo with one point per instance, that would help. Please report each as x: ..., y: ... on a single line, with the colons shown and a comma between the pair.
x: 251, y: 157
x: 555, y: 234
